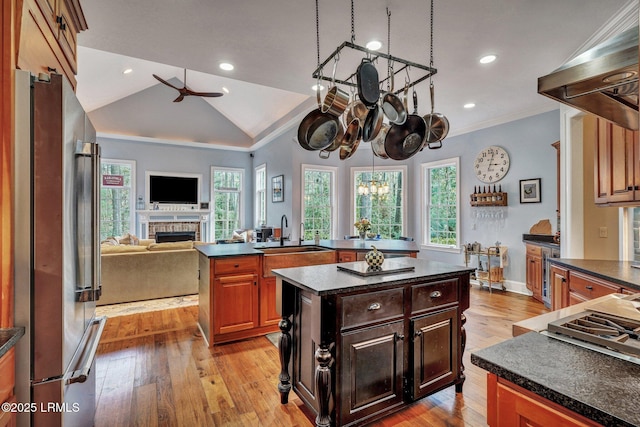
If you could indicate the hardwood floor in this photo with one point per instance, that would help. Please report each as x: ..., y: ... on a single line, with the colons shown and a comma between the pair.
x: 153, y: 369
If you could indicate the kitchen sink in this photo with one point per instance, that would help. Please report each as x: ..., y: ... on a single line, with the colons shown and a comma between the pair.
x: 294, y: 256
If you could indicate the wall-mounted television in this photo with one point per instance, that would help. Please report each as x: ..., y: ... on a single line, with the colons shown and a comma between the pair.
x: 173, y: 188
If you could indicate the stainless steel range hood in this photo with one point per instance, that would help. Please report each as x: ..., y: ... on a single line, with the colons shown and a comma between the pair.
x: 602, y: 81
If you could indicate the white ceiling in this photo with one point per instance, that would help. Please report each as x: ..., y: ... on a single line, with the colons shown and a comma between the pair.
x: 273, y: 47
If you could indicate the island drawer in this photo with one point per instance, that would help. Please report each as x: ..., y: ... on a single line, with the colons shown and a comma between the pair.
x: 238, y: 264
x: 433, y: 294
x: 372, y: 307
x: 589, y: 286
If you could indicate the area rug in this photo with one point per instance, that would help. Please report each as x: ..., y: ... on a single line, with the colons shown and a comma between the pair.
x: 127, y: 308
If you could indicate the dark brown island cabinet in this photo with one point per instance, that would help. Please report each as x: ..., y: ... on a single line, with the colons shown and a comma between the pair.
x: 362, y: 347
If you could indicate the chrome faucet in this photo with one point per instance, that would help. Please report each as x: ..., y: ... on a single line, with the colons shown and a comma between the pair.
x: 286, y: 224
x: 301, y: 232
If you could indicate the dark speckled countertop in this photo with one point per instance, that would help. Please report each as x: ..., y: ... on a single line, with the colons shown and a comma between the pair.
x: 619, y: 272
x: 236, y: 249
x: 8, y: 338
x: 600, y: 387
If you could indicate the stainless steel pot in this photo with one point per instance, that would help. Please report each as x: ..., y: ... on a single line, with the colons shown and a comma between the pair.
x: 372, y: 123
x: 377, y: 144
x: 403, y: 141
x: 392, y: 105
x: 437, y: 126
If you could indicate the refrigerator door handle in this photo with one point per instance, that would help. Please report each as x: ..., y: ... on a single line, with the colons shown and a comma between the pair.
x: 89, y: 350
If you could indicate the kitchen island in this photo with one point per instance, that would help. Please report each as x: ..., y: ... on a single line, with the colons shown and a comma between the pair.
x: 366, y: 344
x: 237, y: 290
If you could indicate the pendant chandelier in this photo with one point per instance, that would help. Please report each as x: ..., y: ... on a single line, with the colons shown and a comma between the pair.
x: 373, y: 187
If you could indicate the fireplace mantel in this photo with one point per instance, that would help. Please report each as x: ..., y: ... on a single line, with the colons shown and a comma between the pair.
x: 193, y: 215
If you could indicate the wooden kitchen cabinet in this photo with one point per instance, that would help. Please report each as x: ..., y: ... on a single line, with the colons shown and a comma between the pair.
x: 47, y: 39
x: 7, y: 381
x: 534, y: 270
x: 230, y: 299
x: 617, y: 165
x: 559, y: 278
x: 268, y: 313
x: 509, y: 405
x: 570, y: 287
x: 347, y: 256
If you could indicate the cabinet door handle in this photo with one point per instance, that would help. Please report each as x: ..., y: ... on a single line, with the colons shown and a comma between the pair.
x: 374, y: 306
x: 399, y: 337
x: 564, y: 280
x: 435, y: 294
x: 236, y: 265
x: 630, y: 188
x: 590, y: 288
x: 417, y: 333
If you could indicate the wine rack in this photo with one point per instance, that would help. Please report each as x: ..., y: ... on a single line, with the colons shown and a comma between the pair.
x: 490, y: 198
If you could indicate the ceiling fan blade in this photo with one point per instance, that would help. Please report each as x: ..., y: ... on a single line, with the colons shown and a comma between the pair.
x: 179, y: 98
x: 207, y: 94
x: 165, y: 82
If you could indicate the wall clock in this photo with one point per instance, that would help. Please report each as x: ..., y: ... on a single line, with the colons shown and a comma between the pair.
x: 491, y: 164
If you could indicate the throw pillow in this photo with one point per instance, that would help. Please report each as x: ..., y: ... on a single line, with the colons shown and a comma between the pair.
x: 170, y: 246
x: 129, y: 239
x: 110, y: 241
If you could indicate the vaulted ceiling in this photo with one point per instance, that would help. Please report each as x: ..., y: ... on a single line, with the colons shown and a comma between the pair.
x: 272, y: 45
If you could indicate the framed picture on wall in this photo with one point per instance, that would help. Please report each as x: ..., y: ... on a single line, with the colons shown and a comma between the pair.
x: 277, y: 189
x: 530, y: 191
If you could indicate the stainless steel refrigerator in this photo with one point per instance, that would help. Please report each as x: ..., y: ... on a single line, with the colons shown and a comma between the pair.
x: 57, y: 247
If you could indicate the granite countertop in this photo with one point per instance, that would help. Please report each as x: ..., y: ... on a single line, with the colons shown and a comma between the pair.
x: 8, y: 338
x: 326, y: 279
x: 546, y: 240
x: 599, y: 387
x: 619, y: 272
x: 236, y: 249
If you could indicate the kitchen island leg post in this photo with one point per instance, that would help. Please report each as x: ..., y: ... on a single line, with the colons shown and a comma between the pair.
x: 463, y: 344
x: 323, y: 385
x: 284, y: 346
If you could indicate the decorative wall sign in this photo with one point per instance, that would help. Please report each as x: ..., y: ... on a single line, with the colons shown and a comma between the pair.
x: 277, y: 188
x: 530, y: 190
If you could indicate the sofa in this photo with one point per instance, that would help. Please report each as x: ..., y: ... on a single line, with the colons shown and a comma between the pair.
x: 147, y: 270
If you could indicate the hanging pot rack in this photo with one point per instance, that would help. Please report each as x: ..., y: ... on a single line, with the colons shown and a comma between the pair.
x: 426, y: 70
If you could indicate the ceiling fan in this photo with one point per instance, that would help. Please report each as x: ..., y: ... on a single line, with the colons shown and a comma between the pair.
x: 185, y: 91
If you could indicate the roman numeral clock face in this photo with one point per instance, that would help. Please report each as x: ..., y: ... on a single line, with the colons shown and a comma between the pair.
x: 491, y: 164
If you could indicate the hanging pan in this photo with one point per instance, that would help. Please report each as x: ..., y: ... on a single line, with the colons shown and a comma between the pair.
x: 336, y: 99
x: 403, y: 141
x: 318, y: 130
x: 392, y: 105
x: 352, y: 139
x: 367, y: 82
x: 372, y: 123
x: 437, y: 126
x: 348, y: 138
x: 377, y: 144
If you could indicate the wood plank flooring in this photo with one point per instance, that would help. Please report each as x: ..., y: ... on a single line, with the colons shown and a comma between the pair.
x: 153, y: 369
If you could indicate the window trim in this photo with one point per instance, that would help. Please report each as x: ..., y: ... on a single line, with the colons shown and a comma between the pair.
x: 133, y: 210
x: 352, y: 193
x: 256, y: 205
x: 423, y: 205
x: 212, y: 191
x: 333, y: 170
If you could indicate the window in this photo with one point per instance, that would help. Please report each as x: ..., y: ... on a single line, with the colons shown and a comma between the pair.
x: 441, y: 203
x: 227, y: 201
x: 260, y: 201
x: 319, y: 201
x: 116, y: 198
x: 386, y: 212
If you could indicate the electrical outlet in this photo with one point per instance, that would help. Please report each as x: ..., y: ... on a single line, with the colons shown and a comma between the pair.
x: 603, y: 232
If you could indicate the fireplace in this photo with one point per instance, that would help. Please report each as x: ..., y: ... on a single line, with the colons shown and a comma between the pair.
x: 152, y: 222
x: 174, y: 236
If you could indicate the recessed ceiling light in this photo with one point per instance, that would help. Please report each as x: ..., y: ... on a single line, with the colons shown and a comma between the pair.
x: 488, y: 59
x: 469, y: 105
x: 224, y: 89
x: 226, y: 66
x: 374, y: 45
x: 127, y: 71
x: 316, y: 87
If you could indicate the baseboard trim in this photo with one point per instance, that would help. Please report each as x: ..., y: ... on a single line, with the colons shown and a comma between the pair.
x: 510, y: 286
